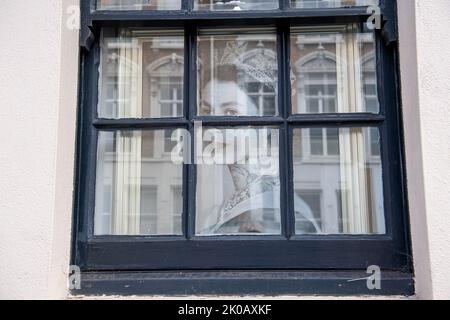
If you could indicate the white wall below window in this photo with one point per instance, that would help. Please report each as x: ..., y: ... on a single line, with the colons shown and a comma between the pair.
x: 38, y: 92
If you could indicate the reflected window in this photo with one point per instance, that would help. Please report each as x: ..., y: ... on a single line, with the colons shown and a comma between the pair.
x: 333, y: 71
x: 312, y: 199
x: 142, y: 74
x: 262, y: 95
x: 177, y: 208
x: 322, y: 142
x: 149, y: 213
x: 354, y: 172
x: 374, y: 143
x: 134, y: 185
x: 169, y: 94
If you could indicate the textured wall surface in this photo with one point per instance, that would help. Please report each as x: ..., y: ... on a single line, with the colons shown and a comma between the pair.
x: 413, y: 146
x: 38, y: 87
x: 433, y: 47
x: 425, y: 76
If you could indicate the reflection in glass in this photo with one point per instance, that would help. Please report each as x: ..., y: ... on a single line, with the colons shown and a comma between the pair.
x: 333, y: 70
x: 233, y: 5
x: 340, y: 186
x: 138, y: 4
x: 141, y: 74
x: 309, y: 4
x: 238, y: 182
x: 138, y: 188
x: 237, y: 73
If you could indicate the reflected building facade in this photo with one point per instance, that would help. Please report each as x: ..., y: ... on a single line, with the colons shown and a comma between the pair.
x: 337, y: 171
x: 139, y: 188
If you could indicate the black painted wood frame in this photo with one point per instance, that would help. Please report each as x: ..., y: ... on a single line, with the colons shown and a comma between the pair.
x: 104, y: 260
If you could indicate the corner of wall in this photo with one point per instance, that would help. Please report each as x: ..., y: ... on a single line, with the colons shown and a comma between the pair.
x: 413, y: 147
x: 65, y: 155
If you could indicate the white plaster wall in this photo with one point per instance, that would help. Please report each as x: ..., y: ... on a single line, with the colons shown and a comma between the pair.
x: 433, y: 47
x: 425, y: 74
x: 38, y: 88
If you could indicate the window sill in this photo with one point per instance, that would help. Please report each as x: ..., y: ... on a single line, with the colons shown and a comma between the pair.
x: 267, y: 283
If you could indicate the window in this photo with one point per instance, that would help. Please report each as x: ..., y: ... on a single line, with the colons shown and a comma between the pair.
x: 331, y: 3
x: 241, y: 63
x: 352, y: 173
x: 312, y: 199
x: 226, y: 145
x: 138, y: 4
x: 228, y: 5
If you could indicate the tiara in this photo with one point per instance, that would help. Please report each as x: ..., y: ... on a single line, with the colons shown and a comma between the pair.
x: 256, y: 63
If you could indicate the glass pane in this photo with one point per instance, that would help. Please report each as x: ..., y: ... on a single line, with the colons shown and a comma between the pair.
x: 333, y: 70
x: 138, y: 4
x: 342, y: 191
x: 308, y: 4
x: 316, y: 141
x: 235, y: 69
x: 135, y: 184
x: 238, y: 182
x: 233, y: 5
x: 333, y: 141
x: 141, y: 74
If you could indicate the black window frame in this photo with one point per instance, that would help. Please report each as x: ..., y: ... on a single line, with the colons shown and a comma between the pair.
x: 187, y: 264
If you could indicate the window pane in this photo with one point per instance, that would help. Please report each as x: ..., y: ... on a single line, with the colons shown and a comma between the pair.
x: 139, y: 4
x: 331, y: 3
x: 333, y: 70
x: 269, y: 105
x: 235, y: 69
x: 313, y: 199
x: 316, y: 141
x: 177, y: 208
x: 135, y: 183
x: 346, y: 184
x: 141, y: 74
x: 238, y: 182
x: 333, y: 141
x: 232, y: 5
x: 374, y: 142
